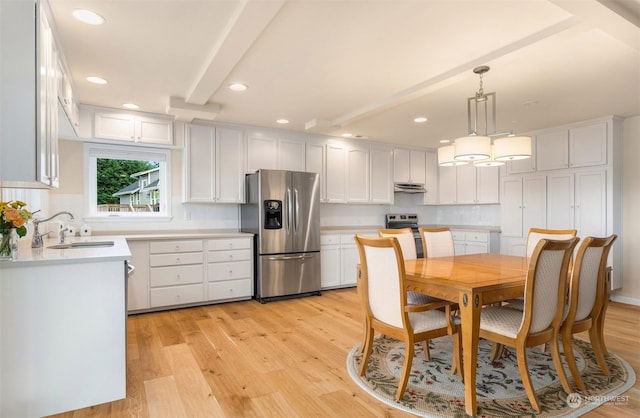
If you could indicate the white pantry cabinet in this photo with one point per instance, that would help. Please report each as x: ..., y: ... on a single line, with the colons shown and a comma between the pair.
x: 272, y: 153
x: 213, y: 165
x: 580, y: 146
x: 133, y: 127
x: 523, y: 205
x: 29, y: 100
x: 409, y: 166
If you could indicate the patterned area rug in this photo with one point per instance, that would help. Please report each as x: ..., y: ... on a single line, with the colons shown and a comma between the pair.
x: 433, y: 392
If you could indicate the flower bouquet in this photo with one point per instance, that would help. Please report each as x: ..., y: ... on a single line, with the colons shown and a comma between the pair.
x: 13, y: 215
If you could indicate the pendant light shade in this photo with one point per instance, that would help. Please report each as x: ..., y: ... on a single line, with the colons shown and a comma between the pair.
x: 491, y: 162
x: 445, y: 157
x: 472, y: 148
x: 512, y: 148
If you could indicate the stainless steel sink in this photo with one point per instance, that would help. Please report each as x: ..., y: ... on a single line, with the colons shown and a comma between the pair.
x: 88, y: 244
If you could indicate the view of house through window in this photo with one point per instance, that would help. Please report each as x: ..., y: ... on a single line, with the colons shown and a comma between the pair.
x: 125, y: 181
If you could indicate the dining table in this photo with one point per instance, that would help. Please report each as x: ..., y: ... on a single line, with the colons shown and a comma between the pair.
x: 472, y: 281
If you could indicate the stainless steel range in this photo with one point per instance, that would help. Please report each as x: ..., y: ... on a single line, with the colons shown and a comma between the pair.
x: 406, y: 220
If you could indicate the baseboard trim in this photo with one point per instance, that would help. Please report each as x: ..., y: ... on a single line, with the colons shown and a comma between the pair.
x: 625, y: 299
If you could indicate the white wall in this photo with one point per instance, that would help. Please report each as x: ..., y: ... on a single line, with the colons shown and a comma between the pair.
x: 630, y: 239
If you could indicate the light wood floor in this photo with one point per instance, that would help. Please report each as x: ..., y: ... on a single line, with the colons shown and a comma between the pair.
x: 281, y: 359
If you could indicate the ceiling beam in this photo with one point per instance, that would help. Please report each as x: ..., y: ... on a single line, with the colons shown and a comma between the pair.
x: 244, y: 27
x: 451, y: 76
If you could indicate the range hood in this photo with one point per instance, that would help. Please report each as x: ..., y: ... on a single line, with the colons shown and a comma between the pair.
x: 409, y: 188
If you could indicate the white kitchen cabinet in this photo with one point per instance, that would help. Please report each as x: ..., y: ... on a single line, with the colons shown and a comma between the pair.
x: 138, y: 283
x: 67, y: 99
x: 552, y: 150
x: 271, y: 153
x: 213, y: 165
x: 431, y: 179
x: 340, y: 257
x: 447, y: 185
x: 467, y: 184
x: 29, y: 99
x: 381, y: 162
x: 591, y: 203
x: 588, y: 145
x: 470, y: 242
x: 229, y: 269
x: 523, y: 205
x: 336, y: 172
x: 560, y: 200
x: 133, y: 127
x: 409, y: 166
x: 358, y: 174
x: 315, y: 160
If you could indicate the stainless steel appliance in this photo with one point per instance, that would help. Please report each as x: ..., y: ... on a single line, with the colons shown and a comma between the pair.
x: 283, y: 211
x: 406, y: 220
x: 409, y: 188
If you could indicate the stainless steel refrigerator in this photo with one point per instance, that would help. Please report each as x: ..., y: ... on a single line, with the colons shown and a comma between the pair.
x: 283, y: 211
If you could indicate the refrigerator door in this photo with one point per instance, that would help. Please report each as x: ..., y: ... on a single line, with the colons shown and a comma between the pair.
x: 288, y: 274
x: 305, y: 211
x: 274, y: 185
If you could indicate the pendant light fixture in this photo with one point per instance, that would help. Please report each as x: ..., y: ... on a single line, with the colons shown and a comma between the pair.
x: 476, y: 146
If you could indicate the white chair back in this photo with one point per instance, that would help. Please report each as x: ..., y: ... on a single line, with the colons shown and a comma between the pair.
x: 535, y: 235
x: 407, y: 243
x: 438, y: 244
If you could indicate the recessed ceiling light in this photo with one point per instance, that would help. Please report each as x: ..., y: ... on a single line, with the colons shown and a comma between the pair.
x: 420, y: 119
x: 131, y: 106
x: 87, y: 16
x: 238, y: 87
x: 347, y: 135
x: 444, y: 141
x: 283, y: 121
x: 96, y: 80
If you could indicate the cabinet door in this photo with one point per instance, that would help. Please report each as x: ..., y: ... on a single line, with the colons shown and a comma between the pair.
x: 117, y: 126
x: 431, y: 179
x: 511, y: 207
x: 153, y: 130
x: 488, y: 185
x: 381, y: 181
x: 588, y: 145
x: 261, y: 153
x: 591, y: 201
x: 330, y: 266
x: 560, y: 206
x: 534, y: 204
x: 138, y: 282
x: 350, y: 261
x: 417, y: 165
x: 336, y: 173
x: 357, y: 175
x: 229, y: 166
x: 466, y: 184
x: 447, y: 185
x: 199, y: 164
x: 315, y: 163
x: 401, y: 165
x: 552, y: 150
x: 291, y: 154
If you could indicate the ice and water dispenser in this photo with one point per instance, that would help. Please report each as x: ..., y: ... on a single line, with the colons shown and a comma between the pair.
x: 273, y: 214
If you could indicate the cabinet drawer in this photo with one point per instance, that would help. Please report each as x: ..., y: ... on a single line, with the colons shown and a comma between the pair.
x: 177, y: 295
x: 228, y: 271
x: 175, y: 259
x: 170, y: 276
x: 329, y: 239
x: 233, y: 255
x: 229, y: 244
x: 458, y: 235
x: 477, y: 236
x: 163, y: 247
x: 231, y: 289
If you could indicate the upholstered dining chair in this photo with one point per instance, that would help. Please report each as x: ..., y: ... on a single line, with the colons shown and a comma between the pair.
x: 586, y: 302
x: 437, y: 242
x: 540, y: 320
x: 385, y: 303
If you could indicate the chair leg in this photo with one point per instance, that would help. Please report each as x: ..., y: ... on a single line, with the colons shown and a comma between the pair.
x: 367, y: 350
x: 571, y: 359
x: 406, y: 369
x: 599, y: 349
x: 557, y: 362
x: 521, y: 355
x: 425, y: 349
x: 496, y: 351
x: 367, y: 330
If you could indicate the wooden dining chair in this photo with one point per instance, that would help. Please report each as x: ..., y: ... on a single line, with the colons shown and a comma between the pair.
x: 382, y: 276
x: 540, y: 320
x: 437, y: 242
x: 586, y: 302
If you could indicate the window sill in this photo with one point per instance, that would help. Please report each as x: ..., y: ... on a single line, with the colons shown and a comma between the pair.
x: 128, y: 218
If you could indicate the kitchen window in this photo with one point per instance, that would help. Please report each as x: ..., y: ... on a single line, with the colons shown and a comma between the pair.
x: 127, y: 183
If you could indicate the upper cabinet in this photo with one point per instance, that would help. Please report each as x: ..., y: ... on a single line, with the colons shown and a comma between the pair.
x: 272, y: 153
x: 133, y: 126
x: 29, y: 72
x: 431, y: 180
x: 468, y: 184
x: 213, y: 165
x: 409, y: 166
x: 67, y: 100
x: 381, y: 167
x: 588, y: 145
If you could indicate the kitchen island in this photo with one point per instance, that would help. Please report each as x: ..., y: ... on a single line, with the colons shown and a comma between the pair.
x: 62, y: 327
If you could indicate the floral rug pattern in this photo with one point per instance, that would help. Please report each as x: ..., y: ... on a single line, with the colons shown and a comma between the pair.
x: 433, y: 392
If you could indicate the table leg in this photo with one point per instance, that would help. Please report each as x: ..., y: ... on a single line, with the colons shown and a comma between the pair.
x: 470, y: 307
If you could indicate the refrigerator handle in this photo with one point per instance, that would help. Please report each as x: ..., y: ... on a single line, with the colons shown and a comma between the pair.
x: 289, y: 209
x: 296, y: 215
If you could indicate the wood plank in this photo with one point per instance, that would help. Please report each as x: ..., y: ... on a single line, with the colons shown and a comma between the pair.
x: 163, y: 398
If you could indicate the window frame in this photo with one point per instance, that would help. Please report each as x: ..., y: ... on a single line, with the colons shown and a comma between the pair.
x: 94, y: 151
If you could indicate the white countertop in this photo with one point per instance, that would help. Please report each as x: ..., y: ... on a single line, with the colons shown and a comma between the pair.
x: 143, y: 236
x: 28, y: 256
x: 374, y: 228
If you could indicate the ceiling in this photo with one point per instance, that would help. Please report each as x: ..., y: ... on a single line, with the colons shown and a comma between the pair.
x: 363, y: 67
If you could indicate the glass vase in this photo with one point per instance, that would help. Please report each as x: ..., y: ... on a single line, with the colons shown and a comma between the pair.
x: 5, y: 244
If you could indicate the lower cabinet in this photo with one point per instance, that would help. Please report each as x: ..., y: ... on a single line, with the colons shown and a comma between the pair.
x: 171, y: 273
x: 340, y: 258
x: 471, y: 242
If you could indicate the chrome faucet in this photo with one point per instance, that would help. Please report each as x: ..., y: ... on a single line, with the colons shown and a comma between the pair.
x: 37, y: 236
